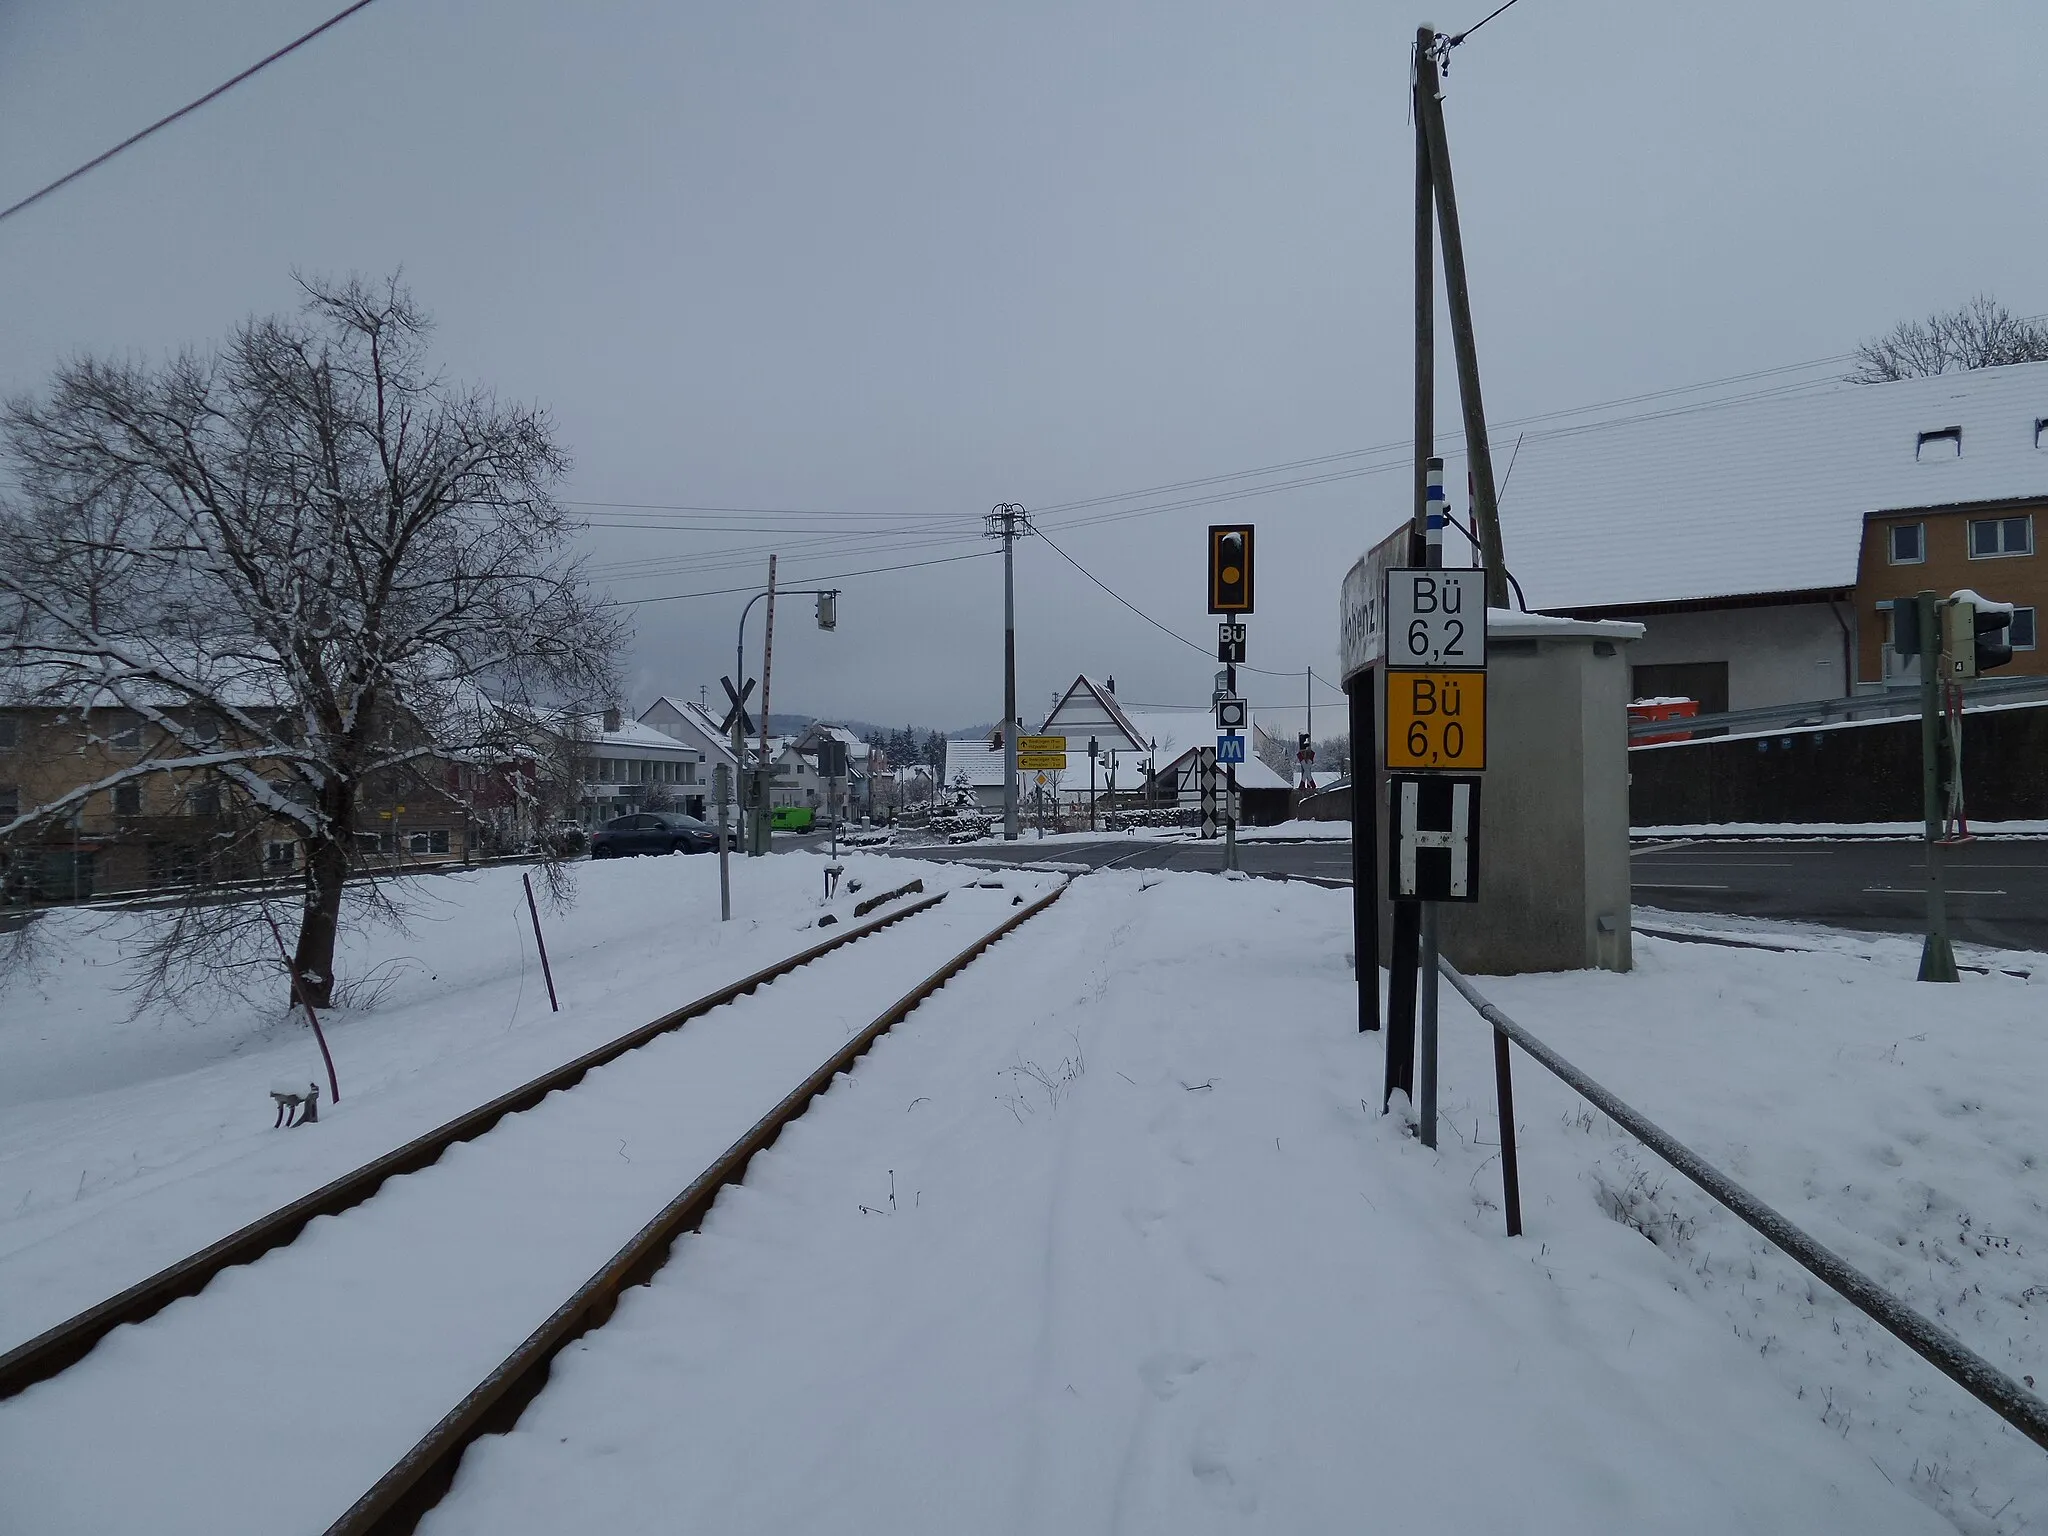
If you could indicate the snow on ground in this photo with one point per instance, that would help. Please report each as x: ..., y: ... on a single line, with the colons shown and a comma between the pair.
x: 127, y: 1143
x: 1898, y: 1123
x: 322, y: 1363
x: 1110, y: 1235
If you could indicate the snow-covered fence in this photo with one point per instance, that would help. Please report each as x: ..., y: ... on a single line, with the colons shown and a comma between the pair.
x: 2007, y: 1398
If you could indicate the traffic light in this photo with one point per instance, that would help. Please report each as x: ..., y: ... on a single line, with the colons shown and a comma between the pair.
x: 1230, y: 568
x: 1993, y: 638
x: 828, y: 610
x: 1303, y: 752
x: 1976, y: 636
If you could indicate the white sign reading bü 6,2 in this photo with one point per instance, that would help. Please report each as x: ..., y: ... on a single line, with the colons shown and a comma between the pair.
x: 1436, y: 620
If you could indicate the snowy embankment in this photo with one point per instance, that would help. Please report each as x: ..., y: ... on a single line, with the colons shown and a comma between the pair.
x: 392, y: 1311
x: 1112, y: 1235
x: 1110, y: 1232
x: 127, y: 1143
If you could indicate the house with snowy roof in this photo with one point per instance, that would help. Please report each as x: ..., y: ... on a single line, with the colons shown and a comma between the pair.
x: 1762, y: 542
x: 974, y: 772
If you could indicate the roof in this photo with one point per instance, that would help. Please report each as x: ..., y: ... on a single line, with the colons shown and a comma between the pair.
x: 632, y: 736
x: 1175, y: 730
x: 1763, y: 495
x: 973, y: 757
x: 1252, y: 773
x: 1095, y: 701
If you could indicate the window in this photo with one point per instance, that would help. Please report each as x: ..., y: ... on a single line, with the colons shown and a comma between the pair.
x: 1994, y: 536
x: 278, y: 857
x: 435, y: 841
x: 126, y: 736
x: 2021, y: 635
x: 10, y: 733
x: 128, y: 799
x: 206, y: 732
x: 1908, y: 543
x: 204, y: 799
x: 10, y: 794
x: 1942, y: 443
x: 689, y: 775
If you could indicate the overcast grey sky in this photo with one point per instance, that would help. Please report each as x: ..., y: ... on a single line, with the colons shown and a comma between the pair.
x: 896, y: 263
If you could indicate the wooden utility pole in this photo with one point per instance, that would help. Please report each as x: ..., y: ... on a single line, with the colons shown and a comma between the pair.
x: 1425, y: 295
x: 1429, y: 114
x: 763, y: 814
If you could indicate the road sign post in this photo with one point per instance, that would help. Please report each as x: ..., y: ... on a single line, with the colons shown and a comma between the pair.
x: 1206, y: 758
x: 1434, y: 628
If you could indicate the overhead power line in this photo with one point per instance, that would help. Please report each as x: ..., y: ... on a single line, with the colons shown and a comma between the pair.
x: 191, y: 106
x: 1171, y: 633
x: 874, y: 570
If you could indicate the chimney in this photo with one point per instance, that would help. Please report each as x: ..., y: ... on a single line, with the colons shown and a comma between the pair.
x: 611, y: 720
x: 1110, y: 689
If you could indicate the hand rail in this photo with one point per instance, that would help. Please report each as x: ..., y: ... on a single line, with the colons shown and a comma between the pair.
x: 1948, y: 1354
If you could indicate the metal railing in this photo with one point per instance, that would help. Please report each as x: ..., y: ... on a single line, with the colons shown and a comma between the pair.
x: 1948, y: 1354
x: 1887, y: 704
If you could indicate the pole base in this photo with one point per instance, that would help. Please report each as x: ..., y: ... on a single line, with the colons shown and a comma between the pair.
x: 1938, y: 959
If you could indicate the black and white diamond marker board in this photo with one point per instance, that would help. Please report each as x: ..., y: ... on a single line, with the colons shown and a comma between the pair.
x: 1433, y: 837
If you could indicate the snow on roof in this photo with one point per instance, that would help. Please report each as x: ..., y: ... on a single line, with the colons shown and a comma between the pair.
x: 1252, y: 773
x: 1764, y: 495
x: 632, y: 735
x: 982, y: 765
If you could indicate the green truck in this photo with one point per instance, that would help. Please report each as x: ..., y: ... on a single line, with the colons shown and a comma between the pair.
x: 792, y: 818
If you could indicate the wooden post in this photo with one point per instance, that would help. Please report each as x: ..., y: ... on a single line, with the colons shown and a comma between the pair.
x: 1429, y: 113
x: 542, y: 944
x: 759, y: 837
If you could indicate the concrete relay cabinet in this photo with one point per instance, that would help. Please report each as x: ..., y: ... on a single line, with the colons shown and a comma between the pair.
x: 1554, y: 851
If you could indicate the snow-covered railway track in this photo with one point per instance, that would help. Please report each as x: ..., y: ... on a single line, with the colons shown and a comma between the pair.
x: 43, y: 1356
x: 398, y: 1501
x: 267, y: 1399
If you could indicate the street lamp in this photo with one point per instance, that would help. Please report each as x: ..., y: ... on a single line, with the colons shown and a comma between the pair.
x: 1094, y: 750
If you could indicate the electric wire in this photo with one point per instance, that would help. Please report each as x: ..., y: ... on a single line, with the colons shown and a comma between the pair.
x: 218, y: 91
x: 1459, y: 37
x: 635, y: 602
x: 1172, y: 634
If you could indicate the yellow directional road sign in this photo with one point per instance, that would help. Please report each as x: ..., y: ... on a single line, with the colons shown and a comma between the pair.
x: 1027, y: 762
x: 1041, y: 744
x: 1436, y: 720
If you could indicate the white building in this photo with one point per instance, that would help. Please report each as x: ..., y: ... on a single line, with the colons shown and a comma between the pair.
x: 629, y: 766
x: 974, y: 772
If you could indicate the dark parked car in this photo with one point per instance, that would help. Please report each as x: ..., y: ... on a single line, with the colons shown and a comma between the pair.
x: 655, y: 832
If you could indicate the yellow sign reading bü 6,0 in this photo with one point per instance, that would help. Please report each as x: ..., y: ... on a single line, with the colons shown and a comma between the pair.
x: 1436, y: 720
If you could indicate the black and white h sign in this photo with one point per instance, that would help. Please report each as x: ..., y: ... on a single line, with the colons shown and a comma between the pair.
x: 1433, y: 842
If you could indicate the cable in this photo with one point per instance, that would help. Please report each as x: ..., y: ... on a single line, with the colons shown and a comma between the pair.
x: 1174, y: 634
x: 1458, y: 38
x: 672, y: 597
x: 191, y: 106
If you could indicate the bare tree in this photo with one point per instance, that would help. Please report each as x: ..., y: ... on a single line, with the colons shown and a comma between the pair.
x: 1980, y: 334
x: 308, y: 564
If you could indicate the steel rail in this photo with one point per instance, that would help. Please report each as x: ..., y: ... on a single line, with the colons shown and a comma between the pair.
x: 68, y: 1342
x: 402, y: 1497
x: 1948, y: 1354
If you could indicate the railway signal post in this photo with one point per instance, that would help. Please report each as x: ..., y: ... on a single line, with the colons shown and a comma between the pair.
x: 1435, y: 745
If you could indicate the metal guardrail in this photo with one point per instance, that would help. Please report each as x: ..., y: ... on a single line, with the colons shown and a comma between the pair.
x: 1948, y: 1354
x: 1892, y: 703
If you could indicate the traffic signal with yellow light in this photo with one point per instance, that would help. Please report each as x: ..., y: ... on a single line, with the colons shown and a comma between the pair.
x: 1230, y: 568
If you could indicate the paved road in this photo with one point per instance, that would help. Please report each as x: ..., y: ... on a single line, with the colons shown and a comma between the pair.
x: 1998, y: 890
